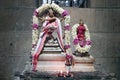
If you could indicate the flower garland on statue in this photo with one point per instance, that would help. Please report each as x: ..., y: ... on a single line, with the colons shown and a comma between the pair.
x: 87, y: 46
x: 66, y: 27
x: 35, y: 25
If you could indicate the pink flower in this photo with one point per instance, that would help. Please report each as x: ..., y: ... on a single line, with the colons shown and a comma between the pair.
x: 35, y: 26
x: 33, y: 45
x: 68, y: 56
x: 75, y: 41
x: 67, y: 27
x: 35, y: 13
x: 88, y: 42
x: 65, y: 13
x: 82, y: 43
x: 67, y: 46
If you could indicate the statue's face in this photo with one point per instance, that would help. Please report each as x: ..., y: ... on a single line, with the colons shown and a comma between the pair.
x: 51, y: 12
x: 81, y: 22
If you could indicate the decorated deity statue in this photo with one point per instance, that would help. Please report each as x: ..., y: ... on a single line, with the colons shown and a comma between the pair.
x: 50, y: 24
x: 46, y: 14
x: 81, y: 38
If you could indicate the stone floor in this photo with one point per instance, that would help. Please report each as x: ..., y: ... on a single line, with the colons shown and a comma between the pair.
x: 97, y: 75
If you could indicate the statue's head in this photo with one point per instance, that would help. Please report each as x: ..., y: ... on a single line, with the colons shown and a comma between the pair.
x: 51, y: 12
x: 81, y: 22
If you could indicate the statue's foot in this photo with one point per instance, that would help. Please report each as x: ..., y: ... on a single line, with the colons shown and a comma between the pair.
x: 34, y: 70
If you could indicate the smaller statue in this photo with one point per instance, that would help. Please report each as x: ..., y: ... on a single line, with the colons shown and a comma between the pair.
x: 81, y: 38
x: 81, y: 34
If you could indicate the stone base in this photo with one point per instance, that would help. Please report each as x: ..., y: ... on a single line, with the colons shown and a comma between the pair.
x: 52, y: 57
x: 51, y: 62
x: 56, y: 62
x: 83, y: 64
x: 49, y: 65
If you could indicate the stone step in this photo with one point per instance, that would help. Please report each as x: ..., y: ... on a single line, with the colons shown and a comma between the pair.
x: 61, y: 57
x: 83, y: 64
x: 56, y: 48
x: 56, y: 62
x: 63, y: 68
x: 83, y: 68
x: 53, y: 49
x: 51, y: 62
x: 60, y: 65
x: 89, y: 59
x: 51, y: 66
x: 51, y: 57
x: 51, y: 45
x: 51, y: 52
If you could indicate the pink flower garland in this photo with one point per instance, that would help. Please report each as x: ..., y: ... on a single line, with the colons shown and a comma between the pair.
x: 88, y: 42
x: 35, y: 26
x: 68, y: 56
x: 83, y: 43
x: 67, y: 47
x: 35, y: 13
x: 69, y: 60
x: 67, y: 27
x: 33, y: 45
x: 65, y: 13
x: 75, y: 41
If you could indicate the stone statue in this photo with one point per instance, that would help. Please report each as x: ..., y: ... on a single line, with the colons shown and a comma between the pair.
x: 81, y: 38
x: 50, y: 24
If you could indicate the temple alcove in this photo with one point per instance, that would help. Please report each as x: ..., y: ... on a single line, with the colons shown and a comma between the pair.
x: 18, y: 31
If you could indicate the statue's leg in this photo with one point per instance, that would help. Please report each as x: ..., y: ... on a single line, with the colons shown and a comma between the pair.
x: 60, y: 40
x: 59, y: 33
x: 37, y: 51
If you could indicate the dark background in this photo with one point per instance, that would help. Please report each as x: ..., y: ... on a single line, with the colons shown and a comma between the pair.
x: 102, y: 18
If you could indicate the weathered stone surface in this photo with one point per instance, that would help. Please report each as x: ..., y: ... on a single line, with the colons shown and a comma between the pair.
x: 104, y: 3
x: 105, y: 44
x: 97, y: 3
x: 75, y: 76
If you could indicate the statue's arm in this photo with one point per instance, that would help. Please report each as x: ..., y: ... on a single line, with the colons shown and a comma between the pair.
x: 47, y: 19
x: 51, y: 19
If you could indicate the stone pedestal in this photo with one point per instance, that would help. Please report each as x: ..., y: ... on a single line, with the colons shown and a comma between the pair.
x: 83, y: 64
x: 56, y: 62
x: 51, y: 62
x: 51, y: 59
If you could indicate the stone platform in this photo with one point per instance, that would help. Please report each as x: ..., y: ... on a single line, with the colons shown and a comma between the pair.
x: 51, y: 62
x: 56, y: 62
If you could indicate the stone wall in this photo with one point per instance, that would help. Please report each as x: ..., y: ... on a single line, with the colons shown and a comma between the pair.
x: 15, y: 31
x: 104, y: 3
